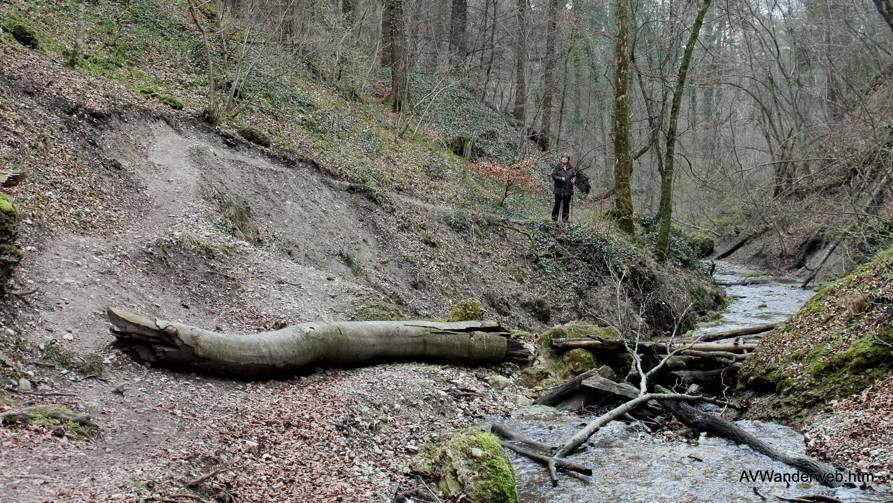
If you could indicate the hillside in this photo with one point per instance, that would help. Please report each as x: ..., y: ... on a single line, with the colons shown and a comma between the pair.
x: 131, y: 200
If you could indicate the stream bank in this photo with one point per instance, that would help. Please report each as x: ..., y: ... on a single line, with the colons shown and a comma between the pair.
x: 630, y: 463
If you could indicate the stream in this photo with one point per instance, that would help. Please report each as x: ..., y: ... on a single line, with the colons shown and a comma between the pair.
x: 632, y: 465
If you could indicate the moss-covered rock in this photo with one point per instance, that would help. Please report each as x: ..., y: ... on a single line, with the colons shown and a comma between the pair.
x: 10, y: 252
x: 467, y: 310
x: 469, y: 463
x: 579, y: 360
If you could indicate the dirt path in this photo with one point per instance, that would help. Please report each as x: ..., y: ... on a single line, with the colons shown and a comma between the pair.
x: 343, y: 430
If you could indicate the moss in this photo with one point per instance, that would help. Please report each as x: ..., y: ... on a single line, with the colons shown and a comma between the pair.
x: 167, y: 99
x: 255, y: 136
x: 6, y: 204
x: 467, y: 310
x: 576, y: 330
x: 469, y: 463
x: 379, y: 312
x: 579, y: 360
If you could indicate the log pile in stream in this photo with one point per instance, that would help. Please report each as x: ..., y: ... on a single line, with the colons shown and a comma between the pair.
x: 308, y: 344
x: 677, y: 405
x: 712, y: 365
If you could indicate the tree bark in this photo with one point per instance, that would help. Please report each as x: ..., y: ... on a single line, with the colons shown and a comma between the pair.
x: 307, y: 344
x: 885, y: 7
x: 458, y: 38
x: 549, y: 73
x: 662, y: 248
x: 399, y: 59
x: 386, y: 16
x: 519, y: 111
x: 623, y: 162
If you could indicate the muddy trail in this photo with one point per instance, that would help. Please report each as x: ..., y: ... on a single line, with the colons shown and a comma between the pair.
x: 631, y: 463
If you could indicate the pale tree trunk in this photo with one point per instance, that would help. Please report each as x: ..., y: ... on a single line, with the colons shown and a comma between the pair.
x: 308, y: 344
x: 399, y: 59
x: 885, y: 7
x: 458, y: 38
x: 666, y: 175
x: 549, y: 72
x: 519, y: 111
x: 623, y: 162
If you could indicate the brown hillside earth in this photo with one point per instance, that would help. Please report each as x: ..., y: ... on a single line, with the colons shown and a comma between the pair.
x: 859, y: 431
x: 131, y: 204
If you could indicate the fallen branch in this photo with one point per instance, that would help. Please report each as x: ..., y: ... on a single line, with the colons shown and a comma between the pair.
x: 199, y: 480
x: 316, y: 343
x: 737, y: 332
x: 506, y: 433
x: 616, y: 345
x: 692, y: 417
x: 561, y: 463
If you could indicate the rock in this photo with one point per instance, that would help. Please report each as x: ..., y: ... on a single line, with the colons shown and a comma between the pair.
x: 499, y: 382
x: 25, y: 385
x: 471, y: 463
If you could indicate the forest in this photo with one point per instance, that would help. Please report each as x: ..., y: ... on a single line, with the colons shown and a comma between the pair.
x: 301, y: 251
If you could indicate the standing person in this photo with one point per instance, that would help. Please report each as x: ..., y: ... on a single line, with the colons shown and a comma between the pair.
x: 564, y: 175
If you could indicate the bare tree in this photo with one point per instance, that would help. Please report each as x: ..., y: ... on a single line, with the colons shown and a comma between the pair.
x: 549, y: 72
x: 520, y: 65
x: 666, y: 175
x: 623, y: 162
x: 458, y: 26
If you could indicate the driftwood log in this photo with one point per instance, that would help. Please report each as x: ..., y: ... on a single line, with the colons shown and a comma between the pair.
x: 307, y: 344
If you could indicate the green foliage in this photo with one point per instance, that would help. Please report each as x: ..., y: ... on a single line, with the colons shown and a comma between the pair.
x: 579, y: 360
x: 59, y: 356
x: 255, y: 136
x: 467, y: 310
x: 379, y: 311
x: 167, y: 99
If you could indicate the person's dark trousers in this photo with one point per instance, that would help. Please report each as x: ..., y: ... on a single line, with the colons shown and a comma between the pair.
x: 563, y: 203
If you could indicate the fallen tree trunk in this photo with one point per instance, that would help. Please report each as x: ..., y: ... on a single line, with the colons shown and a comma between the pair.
x: 307, y: 344
x: 737, y: 332
x: 819, y: 472
x: 616, y: 345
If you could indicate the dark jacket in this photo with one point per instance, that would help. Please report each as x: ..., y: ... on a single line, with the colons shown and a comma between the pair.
x: 563, y: 179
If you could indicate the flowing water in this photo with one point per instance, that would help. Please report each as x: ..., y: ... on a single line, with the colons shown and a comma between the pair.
x: 631, y: 464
